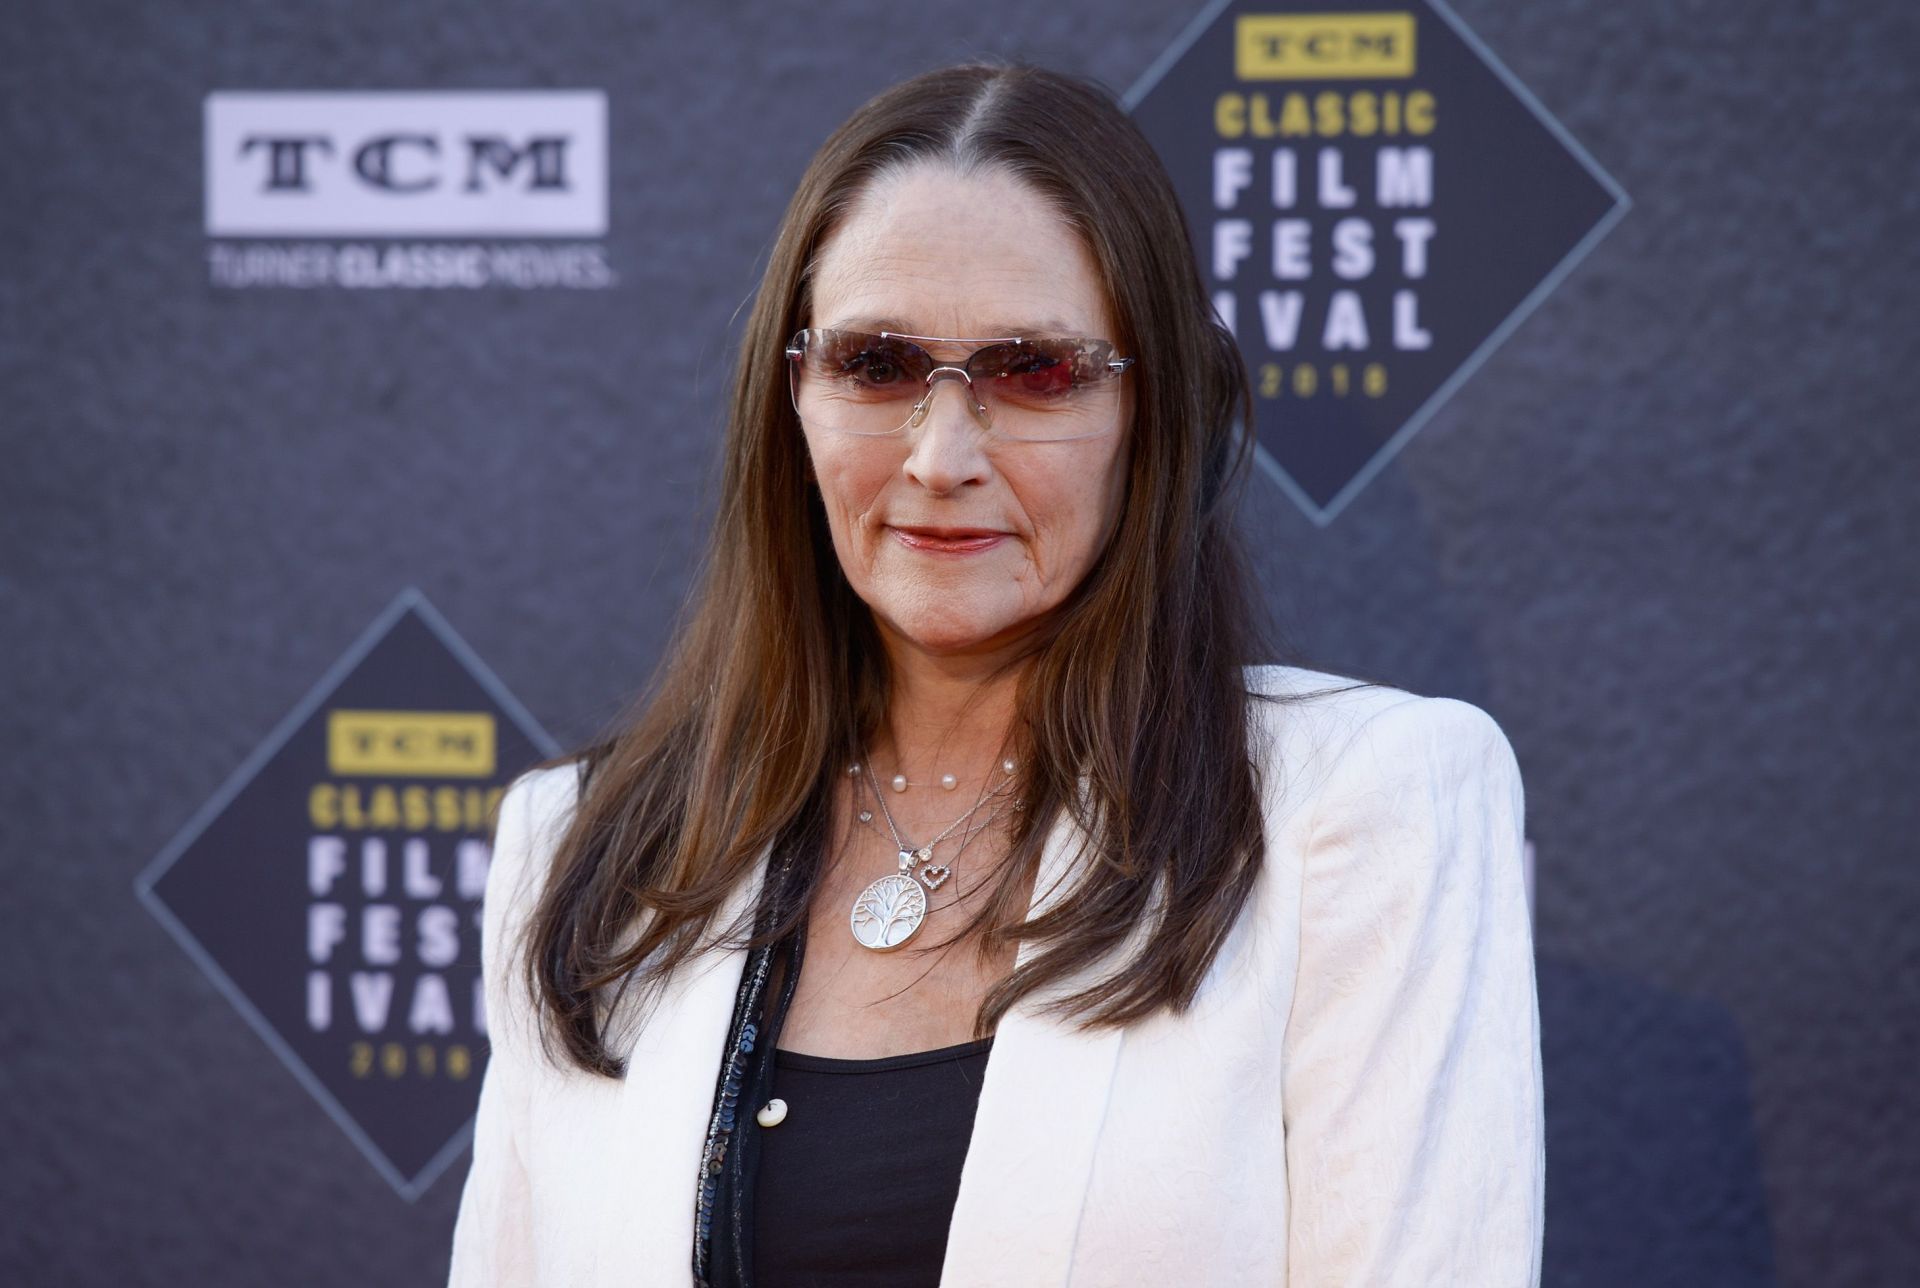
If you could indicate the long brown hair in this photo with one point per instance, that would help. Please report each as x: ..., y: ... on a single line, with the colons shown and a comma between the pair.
x: 776, y: 675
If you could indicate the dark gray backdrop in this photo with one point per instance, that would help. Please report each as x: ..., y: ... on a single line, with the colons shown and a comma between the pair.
x: 1664, y: 535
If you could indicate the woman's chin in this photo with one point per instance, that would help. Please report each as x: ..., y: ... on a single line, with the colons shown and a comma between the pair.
x: 950, y: 630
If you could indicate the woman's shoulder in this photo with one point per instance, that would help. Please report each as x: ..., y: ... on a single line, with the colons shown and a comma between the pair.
x: 534, y: 811
x: 1307, y: 720
x: 1316, y: 705
x: 544, y: 795
x: 1336, y: 702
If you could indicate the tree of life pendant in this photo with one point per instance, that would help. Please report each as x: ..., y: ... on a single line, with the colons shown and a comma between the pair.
x: 891, y: 910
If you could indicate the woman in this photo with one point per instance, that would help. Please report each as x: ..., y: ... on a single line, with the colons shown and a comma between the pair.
x: 960, y: 907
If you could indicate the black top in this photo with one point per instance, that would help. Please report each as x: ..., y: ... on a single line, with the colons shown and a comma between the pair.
x: 856, y: 1186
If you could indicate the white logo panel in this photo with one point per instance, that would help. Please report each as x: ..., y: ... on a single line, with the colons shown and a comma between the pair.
x: 512, y: 163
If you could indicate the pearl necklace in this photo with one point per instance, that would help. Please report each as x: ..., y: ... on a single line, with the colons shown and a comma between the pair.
x: 891, y: 909
x: 900, y: 782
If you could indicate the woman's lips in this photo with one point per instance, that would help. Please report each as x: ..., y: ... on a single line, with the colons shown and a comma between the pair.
x: 948, y: 541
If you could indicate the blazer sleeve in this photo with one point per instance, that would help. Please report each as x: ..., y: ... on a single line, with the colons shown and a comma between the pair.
x: 493, y: 1233
x: 1412, y: 1098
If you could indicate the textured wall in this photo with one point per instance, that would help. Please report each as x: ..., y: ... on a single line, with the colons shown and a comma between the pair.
x: 1664, y: 535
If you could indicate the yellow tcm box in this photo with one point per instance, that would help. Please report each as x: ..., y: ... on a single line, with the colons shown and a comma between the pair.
x: 423, y: 744
x: 1323, y: 46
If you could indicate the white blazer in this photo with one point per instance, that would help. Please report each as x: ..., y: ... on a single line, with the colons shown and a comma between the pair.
x: 1353, y: 1099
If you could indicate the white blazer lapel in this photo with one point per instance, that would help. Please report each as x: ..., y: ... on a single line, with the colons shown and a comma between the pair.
x: 1042, y: 1104
x: 664, y: 1104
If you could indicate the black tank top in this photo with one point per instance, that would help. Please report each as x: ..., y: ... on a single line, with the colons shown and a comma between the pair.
x: 856, y: 1186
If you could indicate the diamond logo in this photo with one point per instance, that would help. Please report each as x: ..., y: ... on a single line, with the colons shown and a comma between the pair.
x: 1375, y: 204
x: 331, y: 888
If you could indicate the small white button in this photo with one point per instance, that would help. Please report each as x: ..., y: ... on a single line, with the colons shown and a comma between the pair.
x: 772, y: 1114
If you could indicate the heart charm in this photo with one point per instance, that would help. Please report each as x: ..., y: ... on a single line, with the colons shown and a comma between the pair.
x: 933, y: 874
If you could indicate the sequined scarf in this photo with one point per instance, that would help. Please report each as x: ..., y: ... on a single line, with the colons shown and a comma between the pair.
x: 723, y: 1203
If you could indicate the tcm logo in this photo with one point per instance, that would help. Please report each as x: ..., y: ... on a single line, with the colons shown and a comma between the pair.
x: 420, y: 744
x: 1323, y: 46
x: 357, y: 164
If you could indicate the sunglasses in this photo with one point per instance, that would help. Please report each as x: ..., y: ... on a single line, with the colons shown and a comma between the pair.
x: 1038, y: 388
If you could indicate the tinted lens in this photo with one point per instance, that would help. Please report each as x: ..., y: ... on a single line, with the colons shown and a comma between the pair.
x: 1048, y: 388
x: 857, y: 382
x: 1033, y: 371
x: 860, y: 365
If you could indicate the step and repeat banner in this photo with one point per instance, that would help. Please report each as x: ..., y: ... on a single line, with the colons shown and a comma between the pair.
x: 367, y: 368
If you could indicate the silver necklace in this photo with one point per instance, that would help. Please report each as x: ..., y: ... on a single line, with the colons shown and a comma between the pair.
x: 892, y: 908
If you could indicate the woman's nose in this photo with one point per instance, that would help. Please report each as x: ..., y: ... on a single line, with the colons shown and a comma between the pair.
x: 949, y: 443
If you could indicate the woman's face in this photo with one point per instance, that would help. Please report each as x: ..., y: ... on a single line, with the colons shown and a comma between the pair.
x: 960, y: 541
